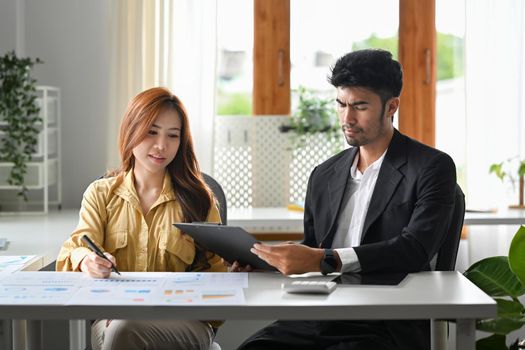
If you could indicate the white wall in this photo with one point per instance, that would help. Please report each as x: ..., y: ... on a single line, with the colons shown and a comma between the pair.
x: 72, y: 38
x: 7, y: 26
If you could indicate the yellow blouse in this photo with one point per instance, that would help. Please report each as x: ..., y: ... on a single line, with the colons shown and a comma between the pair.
x: 111, y: 216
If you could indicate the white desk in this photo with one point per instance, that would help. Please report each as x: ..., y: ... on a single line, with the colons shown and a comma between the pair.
x: 427, y: 295
x: 37, y: 234
x: 29, y: 263
x: 507, y: 217
x: 30, y: 235
x: 282, y: 220
x: 18, y: 328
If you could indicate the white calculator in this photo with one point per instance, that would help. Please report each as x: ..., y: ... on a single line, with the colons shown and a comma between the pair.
x: 309, y: 287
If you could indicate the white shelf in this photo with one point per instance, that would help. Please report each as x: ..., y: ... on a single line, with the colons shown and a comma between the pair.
x: 35, y: 176
x: 43, y: 177
x: 52, y: 142
x: 52, y: 109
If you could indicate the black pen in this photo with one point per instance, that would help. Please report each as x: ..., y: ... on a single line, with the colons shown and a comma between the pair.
x: 97, y: 251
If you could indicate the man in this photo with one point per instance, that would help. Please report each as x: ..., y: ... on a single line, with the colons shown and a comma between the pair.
x: 383, y: 205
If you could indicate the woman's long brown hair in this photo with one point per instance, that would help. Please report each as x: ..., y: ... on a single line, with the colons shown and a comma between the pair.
x: 192, y: 193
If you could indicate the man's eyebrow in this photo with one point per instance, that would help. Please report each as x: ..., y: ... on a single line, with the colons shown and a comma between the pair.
x: 353, y: 104
x: 158, y: 127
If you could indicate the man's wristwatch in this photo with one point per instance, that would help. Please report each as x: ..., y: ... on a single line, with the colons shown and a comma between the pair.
x: 329, y: 262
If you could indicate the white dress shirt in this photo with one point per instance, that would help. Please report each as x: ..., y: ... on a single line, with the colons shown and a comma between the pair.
x: 353, y: 211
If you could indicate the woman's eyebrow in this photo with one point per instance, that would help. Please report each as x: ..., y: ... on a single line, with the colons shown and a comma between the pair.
x: 158, y: 127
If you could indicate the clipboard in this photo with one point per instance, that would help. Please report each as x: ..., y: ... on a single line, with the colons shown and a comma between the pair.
x: 231, y: 243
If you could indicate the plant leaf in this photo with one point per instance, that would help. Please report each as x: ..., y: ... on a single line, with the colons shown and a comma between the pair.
x: 494, y: 342
x: 19, y: 111
x: 509, y: 318
x: 509, y: 308
x: 517, y: 254
x: 521, y: 169
x: 497, y: 169
x: 500, y: 325
x: 494, y: 276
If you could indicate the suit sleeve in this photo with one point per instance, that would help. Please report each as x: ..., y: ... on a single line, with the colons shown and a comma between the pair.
x: 309, y: 209
x: 412, y: 249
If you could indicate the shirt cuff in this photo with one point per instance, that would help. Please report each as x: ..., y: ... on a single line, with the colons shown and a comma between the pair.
x: 77, y: 255
x: 349, y: 260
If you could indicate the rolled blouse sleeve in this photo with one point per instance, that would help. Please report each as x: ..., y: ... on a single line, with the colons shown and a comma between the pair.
x: 91, y: 222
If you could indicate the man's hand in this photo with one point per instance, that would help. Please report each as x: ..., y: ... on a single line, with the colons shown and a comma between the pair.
x: 97, y: 267
x: 290, y: 257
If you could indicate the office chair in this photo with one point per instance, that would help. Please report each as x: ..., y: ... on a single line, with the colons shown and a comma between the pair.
x: 445, y: 260
x: 219, y: 196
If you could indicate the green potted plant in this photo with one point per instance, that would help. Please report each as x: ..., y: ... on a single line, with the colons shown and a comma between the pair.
x: 18, y: 116
x: 313, y: 115
x: 503, y: 278
x: 513, y: 171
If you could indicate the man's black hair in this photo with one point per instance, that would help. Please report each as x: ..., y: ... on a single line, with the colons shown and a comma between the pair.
x: 373, y: 69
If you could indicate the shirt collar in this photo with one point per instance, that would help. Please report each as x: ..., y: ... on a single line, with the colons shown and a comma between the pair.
x: 167, y: 192
x: 354, y: 171
x: 127, y: 190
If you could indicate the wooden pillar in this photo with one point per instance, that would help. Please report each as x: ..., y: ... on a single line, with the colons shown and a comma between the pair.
x: 417, y: 54
x: 271, y: 57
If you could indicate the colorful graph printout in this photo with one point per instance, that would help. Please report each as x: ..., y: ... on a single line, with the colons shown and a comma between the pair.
x: 36, y: 295
x: 74, y: 288
x: 215, y: 279
x: 12, y: 263
x: 114, y: 295
x: 39, y: 287
x: 44, y: 278
x: 201, y: 296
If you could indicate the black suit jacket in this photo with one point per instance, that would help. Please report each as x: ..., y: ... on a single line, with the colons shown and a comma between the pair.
x: 407, y: 219
x: 409, y: 212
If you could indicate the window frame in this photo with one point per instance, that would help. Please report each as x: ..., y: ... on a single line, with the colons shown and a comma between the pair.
x: 417, y: 54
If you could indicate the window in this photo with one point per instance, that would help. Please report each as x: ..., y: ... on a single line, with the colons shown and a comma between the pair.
x: 341, y: 26
x: 322, y: 31
x: 450, y: 91
x: 234, y: 57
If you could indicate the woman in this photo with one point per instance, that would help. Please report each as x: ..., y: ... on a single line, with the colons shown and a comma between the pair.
x: 130, y: 213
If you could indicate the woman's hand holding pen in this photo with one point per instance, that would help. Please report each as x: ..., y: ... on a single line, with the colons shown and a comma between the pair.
x: 96, y: 266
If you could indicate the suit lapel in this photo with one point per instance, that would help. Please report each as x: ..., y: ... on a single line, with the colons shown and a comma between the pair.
x: 336, y: 189
x: 387, y: 180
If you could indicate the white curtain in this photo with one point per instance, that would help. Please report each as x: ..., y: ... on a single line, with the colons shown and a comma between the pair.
x: 193, y: 69
x: 495, y: 94
x: 165, y: 43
